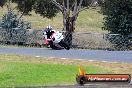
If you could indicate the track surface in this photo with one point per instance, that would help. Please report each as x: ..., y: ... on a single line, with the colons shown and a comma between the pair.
x: 99, y: 55
x: 93, y: 85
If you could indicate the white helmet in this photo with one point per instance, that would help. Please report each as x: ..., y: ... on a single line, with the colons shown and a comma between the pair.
x: 49, y: 27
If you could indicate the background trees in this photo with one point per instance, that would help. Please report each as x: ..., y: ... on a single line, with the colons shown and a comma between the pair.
x: 13, y: 30
x: 49, y: 8
x: 118, y: 18
x: 70, y: 10
x: 118, y: 13
x: 2, y: 2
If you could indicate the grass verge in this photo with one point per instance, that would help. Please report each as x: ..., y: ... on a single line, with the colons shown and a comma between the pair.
x: 36, y: 71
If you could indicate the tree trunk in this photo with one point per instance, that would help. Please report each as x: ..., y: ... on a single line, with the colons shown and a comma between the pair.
x: 70, y: 27
x: 64, y: 23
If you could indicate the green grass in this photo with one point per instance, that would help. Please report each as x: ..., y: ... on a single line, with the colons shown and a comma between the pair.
x: 29, y: 74
x: 32, y: 71
x: 18, y: 70
x: 88, y: 21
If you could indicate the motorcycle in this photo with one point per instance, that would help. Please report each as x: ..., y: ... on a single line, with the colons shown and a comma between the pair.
x: 56, y: 41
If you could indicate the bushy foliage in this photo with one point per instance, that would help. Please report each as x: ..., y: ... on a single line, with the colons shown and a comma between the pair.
x: 118, y: 18
x: 43, y: 7
x: 9, y: 20
x: 2, y: 2
x: 12, y: 29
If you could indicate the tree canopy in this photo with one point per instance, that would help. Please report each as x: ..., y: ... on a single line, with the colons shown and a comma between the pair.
x: 2, y: 2
x: 46, y: 8
x: 118, y: 18
x: 70, y: 10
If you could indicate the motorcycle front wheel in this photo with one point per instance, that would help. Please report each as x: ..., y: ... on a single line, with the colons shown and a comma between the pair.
x: 65, y: 45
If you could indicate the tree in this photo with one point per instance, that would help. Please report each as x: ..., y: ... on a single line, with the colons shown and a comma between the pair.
x: 13, y: 29
x: 2, y: 2
x: 118, y: 20
x: 49, y: 8
x: 70, y: 10
x: 43, y: 7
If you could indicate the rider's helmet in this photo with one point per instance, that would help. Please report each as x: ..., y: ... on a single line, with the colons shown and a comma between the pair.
x: 49, y: 27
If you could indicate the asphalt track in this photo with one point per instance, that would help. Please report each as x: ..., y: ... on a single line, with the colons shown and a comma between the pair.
x: 86, y: 86
x: 99, y: 55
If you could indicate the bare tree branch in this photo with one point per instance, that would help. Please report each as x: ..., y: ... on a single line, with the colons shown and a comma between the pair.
x: 80, y: 11
x: 21, y: 15
x: 79, y: 6
x: 14, y: 8
x: 67, y: 5
x: 75, y: 8
x: 73, y: 4
x: 68, y: 8
x: 58, y: 4
x: 83, y: 9
x: 22, y: 12
x: 64, y: 10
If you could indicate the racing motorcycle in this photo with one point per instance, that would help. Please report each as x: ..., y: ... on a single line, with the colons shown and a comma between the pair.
x: 56, y: 40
